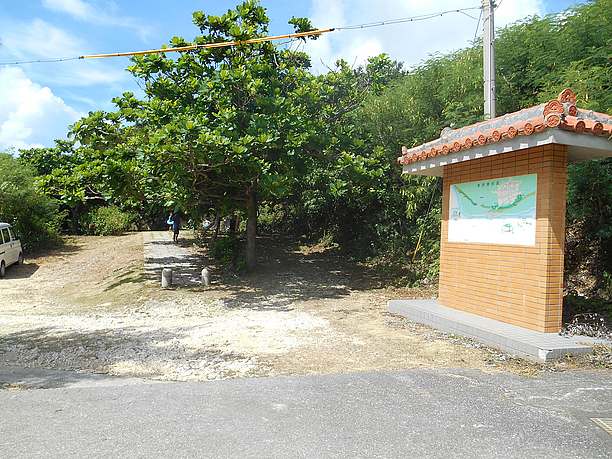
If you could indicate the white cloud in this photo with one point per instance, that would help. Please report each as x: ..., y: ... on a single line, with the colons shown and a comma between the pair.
x: 410, y: 42
x: 511, y: 11
x: 38, y: 39
x: 30, y: 114
x: 106, y: 15
x: 76, y: 8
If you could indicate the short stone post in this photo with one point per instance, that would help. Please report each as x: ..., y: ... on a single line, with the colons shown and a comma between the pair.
x: 206, y: 277
x: 166, y: 279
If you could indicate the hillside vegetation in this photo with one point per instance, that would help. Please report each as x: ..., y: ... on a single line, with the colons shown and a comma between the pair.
x: 251, y: 133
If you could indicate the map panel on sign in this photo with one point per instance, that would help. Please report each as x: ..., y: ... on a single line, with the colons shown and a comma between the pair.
x: 494, y: 211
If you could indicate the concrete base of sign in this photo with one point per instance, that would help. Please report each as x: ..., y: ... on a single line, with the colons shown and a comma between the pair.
x: 519, y: 341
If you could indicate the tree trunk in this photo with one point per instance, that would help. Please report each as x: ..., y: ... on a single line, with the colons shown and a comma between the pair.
x: 217, y: 225
x: 233, y: 225
x: 251, y: 227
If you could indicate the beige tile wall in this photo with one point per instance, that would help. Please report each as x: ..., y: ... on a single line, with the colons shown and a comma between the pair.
x: 514, y: 284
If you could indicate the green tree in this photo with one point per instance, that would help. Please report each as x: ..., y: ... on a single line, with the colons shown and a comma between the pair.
x: 230, y: 128
x: 33, y: 215
x: 353, y: 188
x: 102, y: 164
x: 225, y: 126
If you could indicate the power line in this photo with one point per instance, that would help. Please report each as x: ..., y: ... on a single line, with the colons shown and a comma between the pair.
x: 224, y: 44
x: 422, y: 17
x: 44, y: 61
x: 477, y: 25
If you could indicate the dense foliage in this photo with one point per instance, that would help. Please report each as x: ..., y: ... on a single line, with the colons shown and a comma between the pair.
x: 107, y: 221
x: 33, y: 215
x: 249, y: 130
x: 359, y: 195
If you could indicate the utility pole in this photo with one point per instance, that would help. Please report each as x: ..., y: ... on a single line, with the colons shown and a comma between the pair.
x: 488, y: 44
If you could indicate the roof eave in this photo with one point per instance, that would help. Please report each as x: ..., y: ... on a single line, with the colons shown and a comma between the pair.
x: 580, y: 147
x: 510, y: 129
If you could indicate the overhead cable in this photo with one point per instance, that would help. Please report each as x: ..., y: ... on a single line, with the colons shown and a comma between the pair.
x: 422, y: 17
x: 223, y: 44
x: 43, y: 61
x: 477, y: 25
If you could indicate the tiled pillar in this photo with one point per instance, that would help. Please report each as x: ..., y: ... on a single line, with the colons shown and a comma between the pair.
x: 521, y: 285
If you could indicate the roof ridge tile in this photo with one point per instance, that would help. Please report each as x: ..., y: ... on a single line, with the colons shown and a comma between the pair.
x: 556, y: 113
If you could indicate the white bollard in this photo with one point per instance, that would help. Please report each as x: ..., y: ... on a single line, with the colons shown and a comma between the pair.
x: 206, y: 277
x: 166, y: 280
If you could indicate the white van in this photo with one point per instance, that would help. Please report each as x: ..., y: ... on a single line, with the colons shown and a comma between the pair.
x: 10, y: 248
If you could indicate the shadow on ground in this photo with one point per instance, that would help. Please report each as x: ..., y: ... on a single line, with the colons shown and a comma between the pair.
x: 131, y: 275
x: 49, y: 357
x: 186, y: 269
x: 67, y: 246
x: 183, y: 258
x: 20, y: 378
x: 285, y: 274
x: 31, y: 264
x: 22, y: 271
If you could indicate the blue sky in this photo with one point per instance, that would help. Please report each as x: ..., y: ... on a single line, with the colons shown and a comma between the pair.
x: 38, y: 101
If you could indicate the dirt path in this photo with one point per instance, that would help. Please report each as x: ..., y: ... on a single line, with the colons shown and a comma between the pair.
x: 85, y: 275
x: 161, y: 252
x: 96, y: 305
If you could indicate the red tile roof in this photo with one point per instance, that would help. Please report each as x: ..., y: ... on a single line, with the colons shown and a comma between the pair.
x: 560, y: 113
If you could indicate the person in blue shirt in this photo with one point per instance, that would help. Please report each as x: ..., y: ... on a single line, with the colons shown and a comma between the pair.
x: 176, y: 225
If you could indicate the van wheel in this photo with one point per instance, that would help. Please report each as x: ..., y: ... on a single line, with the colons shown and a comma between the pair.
x: 2, y: 269
x: 20, y: 259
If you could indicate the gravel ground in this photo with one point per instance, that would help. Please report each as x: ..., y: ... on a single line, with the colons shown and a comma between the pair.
x: 95, y: 305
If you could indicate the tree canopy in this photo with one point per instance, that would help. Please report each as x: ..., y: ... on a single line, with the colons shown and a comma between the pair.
x: 246, y: 129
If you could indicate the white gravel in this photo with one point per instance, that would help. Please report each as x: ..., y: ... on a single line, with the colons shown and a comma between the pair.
x: 181, y: 340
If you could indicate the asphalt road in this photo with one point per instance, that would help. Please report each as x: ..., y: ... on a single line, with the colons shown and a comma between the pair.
x: 412, y: 413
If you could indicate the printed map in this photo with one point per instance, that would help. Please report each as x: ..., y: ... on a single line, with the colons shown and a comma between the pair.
x: 495, y: 211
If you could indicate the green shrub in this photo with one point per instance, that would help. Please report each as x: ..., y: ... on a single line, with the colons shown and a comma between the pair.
x: 107, y: 221
x: 229, y: 252
x: 272, y: 218
x: 33, y: 215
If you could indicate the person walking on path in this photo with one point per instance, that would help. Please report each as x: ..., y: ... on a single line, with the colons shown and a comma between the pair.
x: 176, y: 225
x: 169, y: 222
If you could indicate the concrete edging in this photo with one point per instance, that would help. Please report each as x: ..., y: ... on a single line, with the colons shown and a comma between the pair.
x: 542, y: 347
